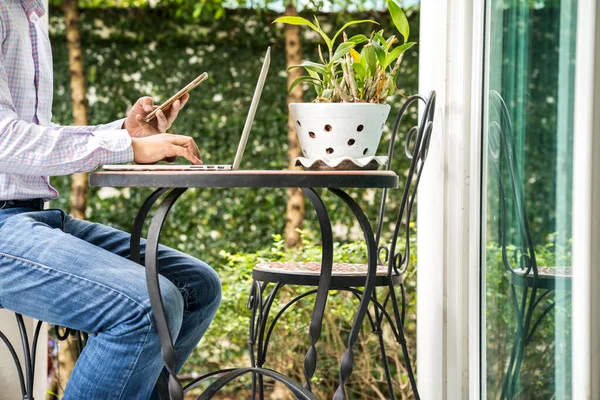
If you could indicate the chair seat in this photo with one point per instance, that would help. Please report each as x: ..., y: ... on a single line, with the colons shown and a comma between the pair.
x: 555, y: 272
x: 547, y: 278
x: 308, y: 273
x: 314, y: 268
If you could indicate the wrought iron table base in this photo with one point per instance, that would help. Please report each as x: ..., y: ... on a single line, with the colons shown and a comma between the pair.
x: 175, y: 388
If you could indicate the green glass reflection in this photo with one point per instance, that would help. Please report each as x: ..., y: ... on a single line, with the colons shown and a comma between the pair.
x: 527, y: 199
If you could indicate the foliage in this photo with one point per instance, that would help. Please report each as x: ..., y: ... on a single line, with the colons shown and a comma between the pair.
x: 193, y: 10
x: 126, y: 58
x: 227, y: 346
x: 542, y: 355
x: 533, y: 83
x: 351, y: 76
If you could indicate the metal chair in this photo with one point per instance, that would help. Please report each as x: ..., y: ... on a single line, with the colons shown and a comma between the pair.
x: 392, y: 264
x: 26, y: 375
x: 535, y: 282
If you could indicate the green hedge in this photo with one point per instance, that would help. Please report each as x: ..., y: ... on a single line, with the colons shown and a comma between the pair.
x: 131, y: 53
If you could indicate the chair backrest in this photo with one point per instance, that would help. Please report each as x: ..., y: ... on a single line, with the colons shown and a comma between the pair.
x: 416, y: 148
x: 502, y: 155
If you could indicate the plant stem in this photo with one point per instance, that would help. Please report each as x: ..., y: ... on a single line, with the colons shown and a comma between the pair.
x: 351, y: 77
x: 367, y: 88
x: 346, y: 81
x: 375, y: 84
x: 392, y: 74
x: 321, y: 54
x: 339, y: 91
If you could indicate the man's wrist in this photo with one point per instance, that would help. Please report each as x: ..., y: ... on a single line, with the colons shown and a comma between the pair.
x: 116, y: 146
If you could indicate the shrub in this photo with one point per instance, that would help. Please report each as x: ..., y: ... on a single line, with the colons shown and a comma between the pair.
x: 225, y: 344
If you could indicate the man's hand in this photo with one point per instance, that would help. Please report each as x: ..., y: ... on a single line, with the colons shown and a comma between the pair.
x: 164, y: 147
x: 138, y: 128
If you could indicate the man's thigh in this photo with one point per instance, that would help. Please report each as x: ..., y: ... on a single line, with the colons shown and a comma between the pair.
x: 198, y: 284
x: 54, y: 276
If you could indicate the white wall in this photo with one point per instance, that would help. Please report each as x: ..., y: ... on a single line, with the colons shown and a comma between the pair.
x: 9, y: 382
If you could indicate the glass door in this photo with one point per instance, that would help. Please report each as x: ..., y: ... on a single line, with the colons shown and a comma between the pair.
x: 527, y: 198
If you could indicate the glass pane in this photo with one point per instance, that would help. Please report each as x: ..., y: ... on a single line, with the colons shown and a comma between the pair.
x: 530, y: 67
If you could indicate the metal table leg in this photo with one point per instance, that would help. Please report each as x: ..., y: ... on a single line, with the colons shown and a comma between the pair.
x: 176, y: 391
x: 347, y: 362
x: 164, y: 334
x: 310, y: 360
x: 316, y: 322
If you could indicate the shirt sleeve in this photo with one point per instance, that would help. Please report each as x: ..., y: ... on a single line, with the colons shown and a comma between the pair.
x: 30, y: 149
x: 111, y: 126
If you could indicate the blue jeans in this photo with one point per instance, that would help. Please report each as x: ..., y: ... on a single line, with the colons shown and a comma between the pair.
x: 78, y: 274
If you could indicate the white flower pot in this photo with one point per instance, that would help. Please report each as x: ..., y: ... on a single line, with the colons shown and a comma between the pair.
x: 331, y: 131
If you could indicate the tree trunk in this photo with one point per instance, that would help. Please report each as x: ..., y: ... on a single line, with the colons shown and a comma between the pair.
x: 295, y: 202
x: 79, y: 183
x: 67, y: 351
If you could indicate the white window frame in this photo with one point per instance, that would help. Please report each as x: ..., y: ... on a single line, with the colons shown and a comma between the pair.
x: 449, y: 218
x: 449, y: 243
x: 586, y: 206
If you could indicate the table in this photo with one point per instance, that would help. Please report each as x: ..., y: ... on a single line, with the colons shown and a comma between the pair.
x: 172, y: 184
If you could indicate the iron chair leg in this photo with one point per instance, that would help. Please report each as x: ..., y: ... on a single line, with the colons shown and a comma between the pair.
x: 379, y: 332
x: 402, y: 341
x: 27, y: 377
x: 258, y: 328
x: 259, y: 323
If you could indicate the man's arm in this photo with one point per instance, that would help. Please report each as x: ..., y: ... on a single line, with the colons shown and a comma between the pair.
x: 30, y: 149
x: 111, y: 126
x: 135, y: 124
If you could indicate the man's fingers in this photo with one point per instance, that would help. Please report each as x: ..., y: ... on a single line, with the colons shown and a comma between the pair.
x: 174, y: 112
x: 147, y: 104
x: 146, y: 125
x: 184, y: 99
x: 193, y: 147
x: 187, y: 142
x: 163, y: 122
x: 184, y: 152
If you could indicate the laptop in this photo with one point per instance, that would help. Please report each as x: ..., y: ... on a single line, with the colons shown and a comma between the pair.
x: 241, y: 147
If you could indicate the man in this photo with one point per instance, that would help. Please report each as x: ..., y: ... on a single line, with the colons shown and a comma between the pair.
x: 74, y: 273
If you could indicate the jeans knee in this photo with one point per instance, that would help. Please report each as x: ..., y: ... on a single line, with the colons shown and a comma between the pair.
x: 173, y: 305
x: 212, y: 289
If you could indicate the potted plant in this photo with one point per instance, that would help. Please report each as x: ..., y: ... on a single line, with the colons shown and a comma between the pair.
x: 342, y: 127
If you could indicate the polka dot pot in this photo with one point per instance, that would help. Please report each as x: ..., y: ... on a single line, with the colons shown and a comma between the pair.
x: 336, y: 130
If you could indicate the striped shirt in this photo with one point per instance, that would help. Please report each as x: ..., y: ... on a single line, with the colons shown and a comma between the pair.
x: 31, y: 147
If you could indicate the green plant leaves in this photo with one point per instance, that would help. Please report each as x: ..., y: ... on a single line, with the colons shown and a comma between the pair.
x: 342, y: 50
x: 370, y: 68
x: 303, y: 79
x: 369, y: 58
x: 399, y: 19
x: 360, y: 70
x: 378, y: 37
x: 394, y: 54
x: 311, y: 66
x: 380, y: 53
x: 363, y: 21
x: 358, y: 39
x: 291, y: 20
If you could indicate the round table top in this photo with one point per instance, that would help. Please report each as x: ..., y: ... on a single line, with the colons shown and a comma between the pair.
x: 245, y: 179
